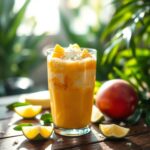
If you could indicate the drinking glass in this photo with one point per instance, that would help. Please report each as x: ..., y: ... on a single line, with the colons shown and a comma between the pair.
x: 71, y: 84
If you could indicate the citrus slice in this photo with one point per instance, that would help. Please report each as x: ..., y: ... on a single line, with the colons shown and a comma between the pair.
x: 96, y: 115
x: 58, y: 51
x: 37, y: 132
x: 39, y: 98
x: 28, y: 111
x: 113, y: 130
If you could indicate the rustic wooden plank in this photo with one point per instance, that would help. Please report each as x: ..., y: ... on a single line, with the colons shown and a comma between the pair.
x: 69, y: 142
x: 6, y: 129
x: 56, y: 142
x: 89, y: 141
x: 21, y: 142
x: 59, y: 142
x: 8, y: 99
x: 142, y: 140
x: 4, y: 101
x: 7, y: 125
x: 134, y: 129
x: 109, y: 145
x: 4, y: 113
x: 140, y: 127
x: 137, y: 139
x: 136, y: 142
x: 81, y: 143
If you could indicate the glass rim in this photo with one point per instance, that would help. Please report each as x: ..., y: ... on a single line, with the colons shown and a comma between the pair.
x: 91, y: 50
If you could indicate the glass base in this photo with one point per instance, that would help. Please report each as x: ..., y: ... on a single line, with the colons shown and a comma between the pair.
x: 72, y: 132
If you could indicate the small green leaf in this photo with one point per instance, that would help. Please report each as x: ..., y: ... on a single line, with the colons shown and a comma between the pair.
x: 47, y: 118
x: 121, y: 74
x: 124, y: 76
x: 147, y: 118
x: 19, y: 127
x: 16, y: 104
x: 135, y: 117
x: 15, y: 22
x: 97, y: 86
x: 133, y: 45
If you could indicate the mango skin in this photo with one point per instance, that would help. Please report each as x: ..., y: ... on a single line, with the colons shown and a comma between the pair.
x: 117, y: 99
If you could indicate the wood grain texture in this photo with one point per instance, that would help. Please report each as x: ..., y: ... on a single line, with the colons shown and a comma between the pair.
x: 137, y: 139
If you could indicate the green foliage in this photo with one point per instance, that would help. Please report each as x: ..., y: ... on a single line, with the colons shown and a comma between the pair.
x: 129, y: 48
x: 18, y: 54
x: 128, y: 52
x: 135, y: 117
x: 16, y: 104
x: 19, y: 127
x: 47, y: 118
x: 97, y: 86
x: 147, y: 118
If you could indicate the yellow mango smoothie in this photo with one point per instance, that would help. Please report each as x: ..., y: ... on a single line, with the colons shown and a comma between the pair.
x: 71, y: 79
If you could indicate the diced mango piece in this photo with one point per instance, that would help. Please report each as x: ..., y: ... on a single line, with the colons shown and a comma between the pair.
x: 58, y: 51
x: 76, y: 46
x: 85, y: 53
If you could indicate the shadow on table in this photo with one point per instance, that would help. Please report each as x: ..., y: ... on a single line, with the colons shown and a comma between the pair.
x: 32, y: 121
x: 118, y: 144
x: 38, y: 145
x: 90, y: 141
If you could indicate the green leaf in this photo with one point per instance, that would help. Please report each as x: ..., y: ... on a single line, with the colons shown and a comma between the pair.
x: 138, y: 81
x: 132, y: 45
x: 145, y: 100
x: 144, y: 28
x: 98, y: 83
x: 6, y: 9
x: 47, y: 118
x: 97, y: 86
x: 122, y: 75
x: 19, y: 127
x: 135, y: 117
x: 125, y: 7
x: 111, y: 51
x: 147, y: 118
x: 15, y: 22
x: 16, y: 104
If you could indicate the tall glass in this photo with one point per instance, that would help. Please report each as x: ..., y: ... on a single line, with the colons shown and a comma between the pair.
x: 71, y: 84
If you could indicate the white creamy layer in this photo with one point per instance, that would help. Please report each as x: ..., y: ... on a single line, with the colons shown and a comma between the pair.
x: 82, y: 79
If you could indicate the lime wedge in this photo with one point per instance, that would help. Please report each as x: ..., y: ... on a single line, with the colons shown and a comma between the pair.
x: 37, y: 132
x: 28, y: 111
x: 113, y: 130
x: 96, y: 116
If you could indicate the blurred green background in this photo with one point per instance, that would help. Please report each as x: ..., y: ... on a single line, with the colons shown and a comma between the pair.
x: 119, y: 30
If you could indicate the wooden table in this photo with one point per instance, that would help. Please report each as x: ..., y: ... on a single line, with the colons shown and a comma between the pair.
x: 138, y: 138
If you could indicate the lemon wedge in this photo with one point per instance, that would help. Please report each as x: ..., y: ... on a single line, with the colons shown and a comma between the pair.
x: 96, y: 115
x: 28, y: 111
x: 37, y: 132
x: 39, y: 98
x: 113, y: 130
